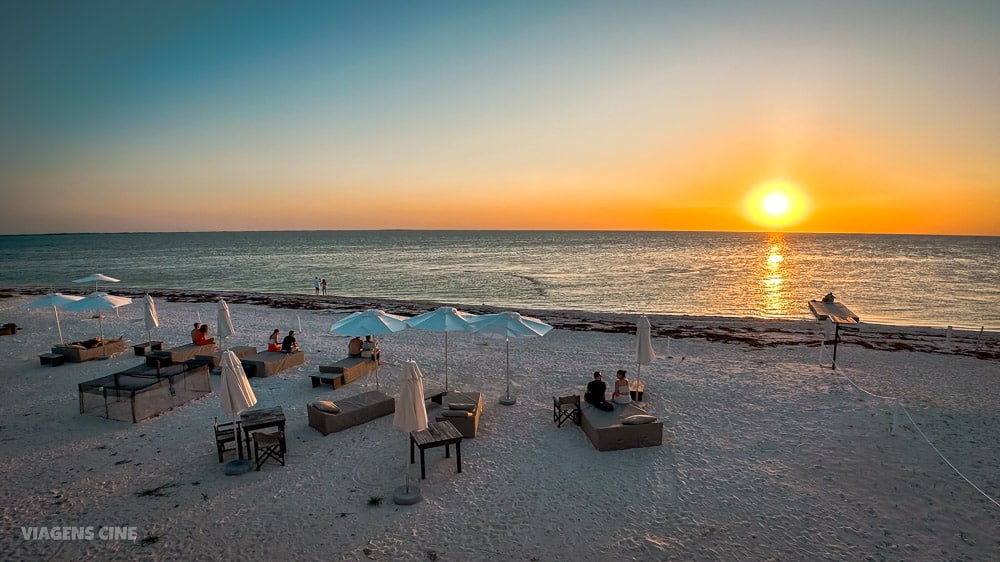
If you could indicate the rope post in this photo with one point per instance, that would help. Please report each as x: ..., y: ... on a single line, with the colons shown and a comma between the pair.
x: 836, y: 340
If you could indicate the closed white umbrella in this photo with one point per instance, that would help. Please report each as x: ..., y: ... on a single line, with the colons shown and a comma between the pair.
x: 411, y: 415
x: 98, y: 302
x: 149, y: 316
x: 445, y: 319
x: 510, y: 325
x: 237, y: 397
x: 225, y: 323
x: 54, y: 300
x: 369, y: 322
x: 644, y: 349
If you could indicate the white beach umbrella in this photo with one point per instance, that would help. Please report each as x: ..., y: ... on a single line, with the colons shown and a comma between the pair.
x: 369, y: 322
x: 445, y: 319
x: 237, y: 396
x: 98, y: 302
x: 510, y: 325
x: 54, y: 300
x: 411, y: 415
x: 96, y: 279
x: 149, y: 316
x: 644, y: 347
x: 225, y: 323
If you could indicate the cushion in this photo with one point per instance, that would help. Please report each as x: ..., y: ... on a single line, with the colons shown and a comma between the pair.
x: 326, y: 406
x: 75, y: 346
x: 462, y: 407
x: 456, y: 414
x: 638, y: 419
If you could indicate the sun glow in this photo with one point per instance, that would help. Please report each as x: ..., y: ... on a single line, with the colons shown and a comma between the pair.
x: 776, y: 204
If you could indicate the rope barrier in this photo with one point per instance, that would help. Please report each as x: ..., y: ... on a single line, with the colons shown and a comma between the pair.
x: 921, y: 433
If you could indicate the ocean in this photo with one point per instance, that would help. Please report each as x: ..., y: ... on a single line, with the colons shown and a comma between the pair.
x: 887, y: 279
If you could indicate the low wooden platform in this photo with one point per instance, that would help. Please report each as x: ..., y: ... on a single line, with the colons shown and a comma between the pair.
x: 835, y: 311
x: 607, y: 432
x: 177, y: 355
x: 268, y: 363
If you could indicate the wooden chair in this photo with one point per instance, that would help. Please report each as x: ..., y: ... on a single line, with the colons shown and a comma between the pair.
x: 566, y: 408
x: 269, y: 446
x: 224, y: 433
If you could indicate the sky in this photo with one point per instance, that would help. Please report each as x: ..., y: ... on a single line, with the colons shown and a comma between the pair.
x: 879, y: 116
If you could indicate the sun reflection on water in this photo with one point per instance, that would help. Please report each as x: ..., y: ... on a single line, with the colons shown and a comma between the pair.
x: 775, y: 295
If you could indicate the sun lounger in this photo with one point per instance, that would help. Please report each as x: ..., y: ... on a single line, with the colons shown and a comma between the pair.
x: 80, y: 351
x: 354, y: 410
x: 142, y: 392
x: 607, y: 432
x: 268, y: 363
x: 455, y: 402
x: 8, y: 329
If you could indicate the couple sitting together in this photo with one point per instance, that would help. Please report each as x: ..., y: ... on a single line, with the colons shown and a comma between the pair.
x: 288, y: 343
x: 596, y: 389
x: 366, y: 348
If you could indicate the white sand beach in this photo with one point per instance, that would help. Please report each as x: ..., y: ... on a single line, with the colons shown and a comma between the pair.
x: 766, y: 454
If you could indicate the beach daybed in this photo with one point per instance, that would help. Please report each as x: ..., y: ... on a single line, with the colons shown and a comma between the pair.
x: 241, y: 351
x: 80, y: 351
x: 346, y: 370
x: 142, y: 392
x: 178, y: 354
x: 352, y: 411
x: 267, y: 363
x: 8, y: 329
x: 607, y: 431
x: 462, y: 409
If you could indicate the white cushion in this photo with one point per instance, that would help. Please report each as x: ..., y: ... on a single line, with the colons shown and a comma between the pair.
x: 638, y: 419
x: 326, y: 406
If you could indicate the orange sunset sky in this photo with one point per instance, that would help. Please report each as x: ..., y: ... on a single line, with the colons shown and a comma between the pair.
x: 869, y: 117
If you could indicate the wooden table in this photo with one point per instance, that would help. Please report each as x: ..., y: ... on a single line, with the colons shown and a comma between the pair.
x: 436, y: 435
x: 253, y: 420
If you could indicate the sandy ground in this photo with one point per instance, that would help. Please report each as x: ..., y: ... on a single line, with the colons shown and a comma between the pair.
x: 768, y: 453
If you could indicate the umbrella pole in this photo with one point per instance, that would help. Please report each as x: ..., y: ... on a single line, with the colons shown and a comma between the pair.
x: 100, y: 322
x: 446, y: 362
x: 58, y: 327
x: 508, y: 400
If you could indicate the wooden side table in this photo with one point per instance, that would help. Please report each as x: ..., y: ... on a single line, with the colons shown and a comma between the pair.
x: 437, y: 434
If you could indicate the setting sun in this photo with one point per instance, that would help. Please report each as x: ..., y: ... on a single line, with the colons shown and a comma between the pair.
x: 776, y: 204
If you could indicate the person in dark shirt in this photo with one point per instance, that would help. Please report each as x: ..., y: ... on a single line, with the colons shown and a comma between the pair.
x: 595, y: 393
x: 288, y: 345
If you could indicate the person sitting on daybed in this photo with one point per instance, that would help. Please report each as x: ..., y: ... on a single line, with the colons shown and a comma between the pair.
x: 621, y: 394
x: 194, y: 333
x: 354, y: 347
x: 369, y: 349
x: 272, y: 342
x: 201, y: 336
x: 289, y: 345
x: 595, y: 393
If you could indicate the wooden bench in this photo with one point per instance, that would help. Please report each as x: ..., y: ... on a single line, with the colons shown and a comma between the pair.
x: 54, y: 359
x: 268, y: 363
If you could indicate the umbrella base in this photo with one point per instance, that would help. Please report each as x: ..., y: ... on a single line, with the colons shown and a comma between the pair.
x: 235, y: 468
x: 508, y: 400
x: 404, y: 496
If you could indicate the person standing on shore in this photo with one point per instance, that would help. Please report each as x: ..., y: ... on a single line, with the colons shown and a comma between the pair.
x: 316, y: 284
x: 322, y: 284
